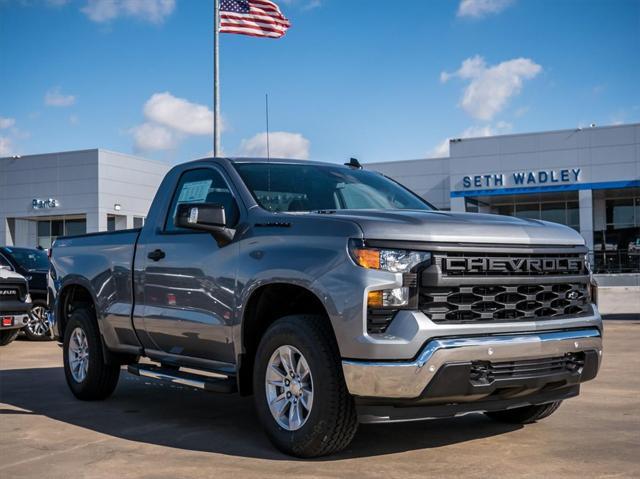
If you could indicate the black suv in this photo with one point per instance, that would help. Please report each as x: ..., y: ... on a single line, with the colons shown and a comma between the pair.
x: 33, y: 264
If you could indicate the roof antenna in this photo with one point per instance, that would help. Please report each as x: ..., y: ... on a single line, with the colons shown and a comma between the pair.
x: 354, y: 163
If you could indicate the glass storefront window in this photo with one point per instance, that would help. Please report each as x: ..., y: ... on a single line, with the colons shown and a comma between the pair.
x: 507, y: 210
x: 556, y: 212
x: 49, y: 230
x: 75, y: 227
x: 563, y: 212
x: 620, y: 212
x: 531, y: 211
x: 573, y: 214
x: 617, y: 247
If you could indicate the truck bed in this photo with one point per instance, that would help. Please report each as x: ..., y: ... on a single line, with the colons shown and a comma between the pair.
x: 105, y: 260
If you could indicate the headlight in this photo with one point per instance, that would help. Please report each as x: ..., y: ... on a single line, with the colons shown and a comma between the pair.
x: 392, y: 260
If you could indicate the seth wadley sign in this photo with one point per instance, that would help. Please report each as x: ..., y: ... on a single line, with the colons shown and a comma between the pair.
x: 522, y: 178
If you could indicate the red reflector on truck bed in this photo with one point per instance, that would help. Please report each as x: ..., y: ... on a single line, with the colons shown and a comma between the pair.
x: 7, y: 320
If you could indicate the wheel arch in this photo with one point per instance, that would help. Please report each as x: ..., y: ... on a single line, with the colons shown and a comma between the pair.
x: 265, y: 305
x: 73, y: 292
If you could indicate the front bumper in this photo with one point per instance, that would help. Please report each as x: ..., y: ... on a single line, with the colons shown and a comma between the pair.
x: 411, y: 379
x: 13, y: 321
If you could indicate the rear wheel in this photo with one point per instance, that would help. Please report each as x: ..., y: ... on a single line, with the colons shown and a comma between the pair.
x: 8, y: 336
x: 300, y: 393
x: 526, y: 414
x: 87, y: 375
x: 37, y: 328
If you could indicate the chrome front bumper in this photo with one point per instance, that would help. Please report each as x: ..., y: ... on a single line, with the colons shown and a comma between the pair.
x: 408, y: 379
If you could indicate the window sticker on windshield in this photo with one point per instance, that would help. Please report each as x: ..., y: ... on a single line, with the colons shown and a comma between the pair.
x: 195, y: 191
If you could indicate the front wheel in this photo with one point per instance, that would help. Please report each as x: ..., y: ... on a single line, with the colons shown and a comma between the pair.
x: 526, y: 414
x: 8, y: 335
x: 300, y: 393
x: 37, y: 328
x: 87, y: 374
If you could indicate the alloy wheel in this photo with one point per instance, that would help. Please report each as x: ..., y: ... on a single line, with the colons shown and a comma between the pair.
x: 38, y: 324
x: 78, y: 355
x: 289, y: 388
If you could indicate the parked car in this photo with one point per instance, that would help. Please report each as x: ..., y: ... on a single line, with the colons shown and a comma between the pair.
x: 333, y: 295
x: 15, y: 304
x: 33, y: 264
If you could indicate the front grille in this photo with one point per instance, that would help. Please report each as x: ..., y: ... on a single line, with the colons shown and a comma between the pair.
x: 14, y: 291
x: 485, y: 371
x: 503, y: 302
x: 507, y: 264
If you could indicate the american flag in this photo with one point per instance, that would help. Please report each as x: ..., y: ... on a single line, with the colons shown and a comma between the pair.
x: 258, y: 18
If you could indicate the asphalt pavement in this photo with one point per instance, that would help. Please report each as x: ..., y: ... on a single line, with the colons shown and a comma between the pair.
x: 153, y: 430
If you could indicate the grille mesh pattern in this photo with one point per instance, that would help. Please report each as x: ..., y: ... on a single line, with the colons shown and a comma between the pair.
x: 488, y: 371
x: 470, y: 304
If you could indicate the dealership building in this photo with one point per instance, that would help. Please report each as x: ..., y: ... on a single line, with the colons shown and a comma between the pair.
x: 76, y: 192
x: 585, y: 178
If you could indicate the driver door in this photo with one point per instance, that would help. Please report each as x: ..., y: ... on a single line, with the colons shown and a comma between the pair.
x: 188, y: 279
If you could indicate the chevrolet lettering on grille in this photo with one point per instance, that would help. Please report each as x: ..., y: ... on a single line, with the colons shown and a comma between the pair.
x: 514, y: 265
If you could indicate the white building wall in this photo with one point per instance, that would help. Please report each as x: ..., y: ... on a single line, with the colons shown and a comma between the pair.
x: 87, y: 183
x: 130, y: 182
x: 429, y: 178
x: 69, y: 177
x: 602, y: 154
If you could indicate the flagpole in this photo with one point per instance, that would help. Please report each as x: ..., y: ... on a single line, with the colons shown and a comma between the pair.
x: 216, y: 78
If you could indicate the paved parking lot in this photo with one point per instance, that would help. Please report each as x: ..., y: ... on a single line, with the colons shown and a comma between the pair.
x: 151, y: 430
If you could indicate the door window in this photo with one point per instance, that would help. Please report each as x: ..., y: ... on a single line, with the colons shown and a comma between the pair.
x: 203, y: 185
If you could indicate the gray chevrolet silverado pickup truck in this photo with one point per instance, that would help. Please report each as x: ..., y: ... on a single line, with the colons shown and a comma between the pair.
x: 334, y: 296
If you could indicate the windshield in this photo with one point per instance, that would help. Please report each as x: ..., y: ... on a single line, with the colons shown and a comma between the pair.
x: 299, y: 187
x: 29, y: 259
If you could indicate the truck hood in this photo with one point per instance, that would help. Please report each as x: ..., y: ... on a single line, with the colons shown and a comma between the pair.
x: 6, y: 274
x: 447, y: 227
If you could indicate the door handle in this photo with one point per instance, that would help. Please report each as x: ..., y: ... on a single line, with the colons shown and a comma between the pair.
x: 156, y: 255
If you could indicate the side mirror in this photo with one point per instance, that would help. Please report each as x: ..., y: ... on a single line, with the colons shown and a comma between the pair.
x: 205, y: 217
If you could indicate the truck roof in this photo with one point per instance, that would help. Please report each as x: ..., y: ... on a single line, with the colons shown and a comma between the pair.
x: 272, y: 160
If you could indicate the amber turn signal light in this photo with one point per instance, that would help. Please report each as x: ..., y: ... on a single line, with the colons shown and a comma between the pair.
x: 374, y: 299
x: 367, y: 258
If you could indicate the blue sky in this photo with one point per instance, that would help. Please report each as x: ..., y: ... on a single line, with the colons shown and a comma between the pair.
x: 351, y: 77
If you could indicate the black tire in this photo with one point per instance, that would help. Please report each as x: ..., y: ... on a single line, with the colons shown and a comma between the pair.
x: 332, y: 421
x: 33, y: 336
x: 101, y: 379
x: 526, y: 414
x: 8, y: 335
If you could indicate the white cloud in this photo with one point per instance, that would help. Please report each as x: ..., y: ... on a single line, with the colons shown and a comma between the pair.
x: 54, y: 97
x: 6, y: 122
x: 179, y: 114
x: 170, y: 120
x: 6, y: 146
x: 491, y: 87
x: 282, y: 144
x: 500, y: 128
x: 481, y: 8
x: 149, y: 136
x: 152, y: 11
